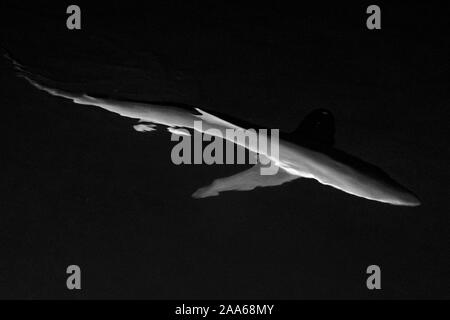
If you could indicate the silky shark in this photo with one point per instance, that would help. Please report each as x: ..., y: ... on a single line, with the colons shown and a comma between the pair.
x: 308, y: 152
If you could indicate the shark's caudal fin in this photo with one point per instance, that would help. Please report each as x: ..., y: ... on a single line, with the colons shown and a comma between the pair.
x: 244, y: 181
x: 45, y: 84
x: 53, y: 87
x: 317, y: 127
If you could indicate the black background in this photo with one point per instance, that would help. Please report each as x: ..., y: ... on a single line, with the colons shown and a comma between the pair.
x: 80, y: 186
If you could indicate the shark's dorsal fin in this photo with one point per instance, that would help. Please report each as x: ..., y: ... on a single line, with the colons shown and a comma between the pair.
x: 316, y: 128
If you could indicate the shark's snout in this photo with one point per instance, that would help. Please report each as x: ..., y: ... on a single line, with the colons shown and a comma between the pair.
x: 403, y: 197
x: 410, y: 200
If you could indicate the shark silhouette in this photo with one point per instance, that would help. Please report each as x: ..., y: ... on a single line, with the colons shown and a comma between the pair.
x: 308, y: 152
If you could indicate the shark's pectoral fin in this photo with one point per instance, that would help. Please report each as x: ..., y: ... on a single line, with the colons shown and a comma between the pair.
x: 244, y: 181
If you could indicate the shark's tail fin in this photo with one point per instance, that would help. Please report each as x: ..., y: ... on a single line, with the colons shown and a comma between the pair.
x: 46, y: 84
x: 22, y: 70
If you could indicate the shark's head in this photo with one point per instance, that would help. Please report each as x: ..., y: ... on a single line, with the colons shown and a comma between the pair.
x: 398, y: 195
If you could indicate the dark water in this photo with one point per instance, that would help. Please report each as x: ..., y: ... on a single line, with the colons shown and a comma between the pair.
x: 80, y: 186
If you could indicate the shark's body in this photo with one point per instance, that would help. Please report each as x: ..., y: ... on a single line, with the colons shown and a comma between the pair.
x: 296, y: 158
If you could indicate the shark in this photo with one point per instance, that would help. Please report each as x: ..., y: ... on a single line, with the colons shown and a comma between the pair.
x: 307, y: 152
